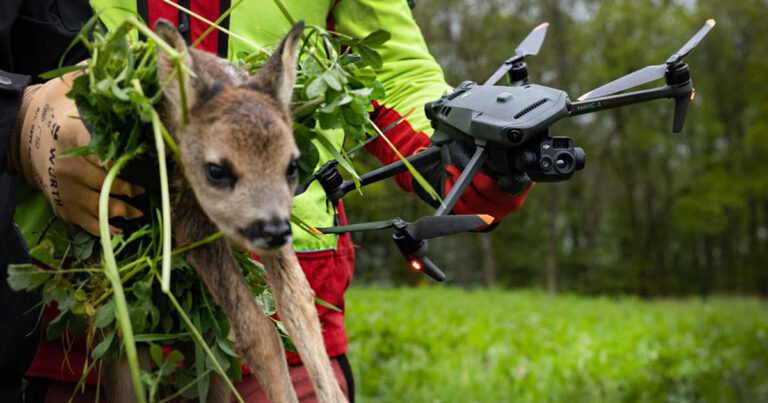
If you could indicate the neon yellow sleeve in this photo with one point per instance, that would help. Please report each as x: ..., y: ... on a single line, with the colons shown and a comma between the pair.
x: 410, y: 74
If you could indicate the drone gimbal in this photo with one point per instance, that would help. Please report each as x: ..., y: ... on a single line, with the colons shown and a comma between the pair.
x: 509, y: 127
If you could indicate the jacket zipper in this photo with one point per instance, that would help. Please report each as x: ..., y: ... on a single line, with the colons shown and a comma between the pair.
x: 21, y: 237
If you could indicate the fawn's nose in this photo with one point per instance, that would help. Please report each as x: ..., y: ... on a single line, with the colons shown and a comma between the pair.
x: 274, y: 232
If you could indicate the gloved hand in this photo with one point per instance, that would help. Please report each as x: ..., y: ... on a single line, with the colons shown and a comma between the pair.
x: 48, y: 124
x: 489, y: 193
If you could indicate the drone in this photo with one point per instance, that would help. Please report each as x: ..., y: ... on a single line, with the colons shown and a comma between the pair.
x: 509, y: 127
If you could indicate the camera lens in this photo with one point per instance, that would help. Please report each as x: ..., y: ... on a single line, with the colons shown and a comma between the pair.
x: 514, y: 136
x: 545, y: 163
x: 564, y: 163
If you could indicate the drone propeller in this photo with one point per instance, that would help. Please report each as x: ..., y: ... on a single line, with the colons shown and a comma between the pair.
x: 425, y: 228
x: 532, y: 43
x: 528, y: 47
x: 688, y: 47
x: 650, y: 73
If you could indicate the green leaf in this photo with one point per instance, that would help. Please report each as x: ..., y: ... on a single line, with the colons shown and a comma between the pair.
x: 43, y: 253
x: 104, y: 345
x: 351, y: 58
x: 370, y: 56
x: 105, y: 315
x: 57, y: 326
x: 82, y: 245
x: 138, y: 318
x: 143, y: 290
x: 60, y: 290
x: 327, y: 305
x: 61, y: 71
x: 316, y: 88
x: 327, y: 143
x: 26, y: 276
x: 220, y: 357
x: 174, y: 357
x: 331, y: 80
x: 156, y: 352
x: 227, y: 346
x: 376, y: 38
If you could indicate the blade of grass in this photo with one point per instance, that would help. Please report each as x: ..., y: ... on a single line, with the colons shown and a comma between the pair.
x: 217, y: 26
x: 287, y: 13
x: 165, y: 201
x: 110, y: 268
x: 200, y: 340
x: 327, y: 143
x: 186, y: 387
x: 416, y: 175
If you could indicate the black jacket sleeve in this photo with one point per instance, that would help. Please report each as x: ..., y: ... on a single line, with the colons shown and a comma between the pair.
x: 33, y: 36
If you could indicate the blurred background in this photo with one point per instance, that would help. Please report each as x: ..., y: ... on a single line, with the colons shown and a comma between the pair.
x: 642, y: 278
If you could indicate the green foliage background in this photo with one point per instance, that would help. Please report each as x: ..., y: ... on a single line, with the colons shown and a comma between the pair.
x: 450, y: 345
x: 653, y: 213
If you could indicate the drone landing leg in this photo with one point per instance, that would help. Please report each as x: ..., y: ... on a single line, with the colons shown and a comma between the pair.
x: 474, y: 165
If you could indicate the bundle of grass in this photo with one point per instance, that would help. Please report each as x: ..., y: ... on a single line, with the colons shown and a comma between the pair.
x: 118, y: 291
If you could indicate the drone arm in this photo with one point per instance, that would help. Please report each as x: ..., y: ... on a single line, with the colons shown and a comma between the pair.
x: 615, y: 101
x: 469, y: 172
x: 418, y: 160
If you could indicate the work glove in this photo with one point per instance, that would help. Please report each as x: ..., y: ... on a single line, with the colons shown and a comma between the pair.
x: 47, y: 125
x: 492, y: 193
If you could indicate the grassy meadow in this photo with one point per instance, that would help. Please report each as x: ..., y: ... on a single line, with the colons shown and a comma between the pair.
x: 450, y: 345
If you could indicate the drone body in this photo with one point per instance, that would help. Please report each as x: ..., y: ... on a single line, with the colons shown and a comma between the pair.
x: 509, y: 128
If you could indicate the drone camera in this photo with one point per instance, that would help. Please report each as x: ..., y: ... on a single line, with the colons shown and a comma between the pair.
x: 552, y: 159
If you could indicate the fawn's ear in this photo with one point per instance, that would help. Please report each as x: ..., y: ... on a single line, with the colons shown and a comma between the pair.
x: 278, y: 75
x: 166, y: 69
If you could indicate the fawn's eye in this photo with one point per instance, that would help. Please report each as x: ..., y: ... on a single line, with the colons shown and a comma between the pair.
x: 292, y: 173
x: 220, y: 174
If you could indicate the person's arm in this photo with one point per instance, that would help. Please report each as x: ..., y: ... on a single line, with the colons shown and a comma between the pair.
x: 412, y: 77
x: 11, y: 85
x: 38, y: 123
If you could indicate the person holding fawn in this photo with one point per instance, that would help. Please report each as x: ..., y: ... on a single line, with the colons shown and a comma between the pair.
x: 37, y: 118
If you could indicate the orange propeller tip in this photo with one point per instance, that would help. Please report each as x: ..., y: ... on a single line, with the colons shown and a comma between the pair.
x: 542, y: 25
x: 487, y: 219
x: 315, y: 231
x: 583, y: 96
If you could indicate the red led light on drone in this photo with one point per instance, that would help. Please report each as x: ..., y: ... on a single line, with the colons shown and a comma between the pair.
x: 416, y: 265
x: 693, y: 95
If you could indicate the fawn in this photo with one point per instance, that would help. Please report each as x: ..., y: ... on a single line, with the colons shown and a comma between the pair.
x: 238, y: 159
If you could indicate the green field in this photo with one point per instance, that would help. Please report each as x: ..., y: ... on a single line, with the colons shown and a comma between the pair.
x: 451, y: 345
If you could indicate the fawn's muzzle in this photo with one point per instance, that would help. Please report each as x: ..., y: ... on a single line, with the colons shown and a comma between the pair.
x: 273, y: 233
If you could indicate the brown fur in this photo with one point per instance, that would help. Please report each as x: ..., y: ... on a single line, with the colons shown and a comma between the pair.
x: 244, y: 120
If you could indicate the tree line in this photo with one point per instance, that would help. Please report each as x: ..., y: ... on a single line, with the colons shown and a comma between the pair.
x: 653, y: 213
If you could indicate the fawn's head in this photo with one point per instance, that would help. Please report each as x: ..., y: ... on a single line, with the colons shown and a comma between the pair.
x: 237, y: 149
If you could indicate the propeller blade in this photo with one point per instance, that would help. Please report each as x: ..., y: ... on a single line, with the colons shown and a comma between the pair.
x: 688, y: 47
x: 436, y: 226
x: 650, y: 73
x: 631, y: 80
x: 532, y: 43
x: 366, y: 226
x: 528, y: 47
